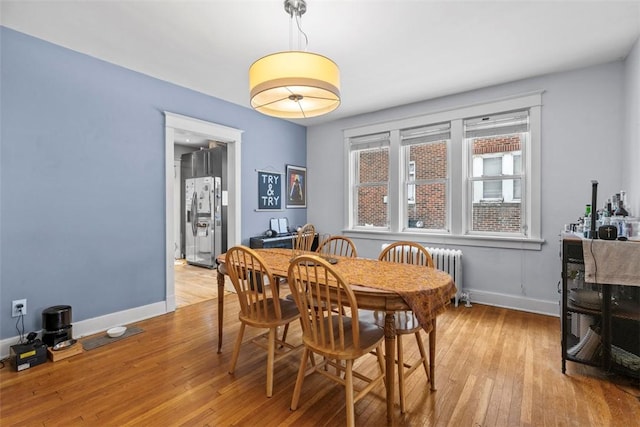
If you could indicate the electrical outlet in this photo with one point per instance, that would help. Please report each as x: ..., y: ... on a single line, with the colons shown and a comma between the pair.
x: 16, y: 310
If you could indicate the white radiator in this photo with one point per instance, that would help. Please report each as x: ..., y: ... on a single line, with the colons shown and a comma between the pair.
x: 449, y: 261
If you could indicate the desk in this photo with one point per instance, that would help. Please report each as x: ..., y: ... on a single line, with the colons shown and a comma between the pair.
x: 378, y: 285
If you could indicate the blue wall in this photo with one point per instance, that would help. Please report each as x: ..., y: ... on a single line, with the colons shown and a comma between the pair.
x: 82, y: 190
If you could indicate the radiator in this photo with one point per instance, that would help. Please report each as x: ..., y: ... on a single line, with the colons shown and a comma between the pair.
x: 449, y: 261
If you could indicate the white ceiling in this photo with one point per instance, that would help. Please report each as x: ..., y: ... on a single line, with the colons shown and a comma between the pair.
x: 389, y: 52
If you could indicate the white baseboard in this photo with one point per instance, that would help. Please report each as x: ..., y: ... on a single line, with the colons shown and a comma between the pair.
x: 101, y: 323
x: 549, y: 308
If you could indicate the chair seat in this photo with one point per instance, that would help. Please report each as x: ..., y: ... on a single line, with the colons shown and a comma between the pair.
x: 288, y: 309
x: 370, y: 336
x: 406, y: 321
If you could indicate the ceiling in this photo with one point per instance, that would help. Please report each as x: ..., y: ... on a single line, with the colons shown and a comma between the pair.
x: 389, y: 52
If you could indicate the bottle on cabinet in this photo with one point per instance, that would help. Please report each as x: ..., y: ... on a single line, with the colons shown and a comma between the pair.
x: 621, y: 211
x: 587, y: 222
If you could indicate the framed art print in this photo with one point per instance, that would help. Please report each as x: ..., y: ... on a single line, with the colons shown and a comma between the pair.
x: 296, y: 186
x: 269, y: 191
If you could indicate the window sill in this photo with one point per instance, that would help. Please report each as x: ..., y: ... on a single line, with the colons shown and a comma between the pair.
x: 447, y: 239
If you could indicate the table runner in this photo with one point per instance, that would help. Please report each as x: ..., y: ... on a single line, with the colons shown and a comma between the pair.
x: 426, y: 290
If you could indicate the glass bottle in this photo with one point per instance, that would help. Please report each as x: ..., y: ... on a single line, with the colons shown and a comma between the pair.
x: 621, y: 211
x: 587, y: 221
x: 606, y: 214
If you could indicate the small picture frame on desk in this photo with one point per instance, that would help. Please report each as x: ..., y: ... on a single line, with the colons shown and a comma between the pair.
x: 296, y: 186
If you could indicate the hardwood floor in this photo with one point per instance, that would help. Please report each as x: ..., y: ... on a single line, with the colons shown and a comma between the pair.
x: 195, y: 284
x: 494, y: 367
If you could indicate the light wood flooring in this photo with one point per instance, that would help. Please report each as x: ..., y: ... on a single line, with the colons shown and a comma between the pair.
x: 195, y: 284
x: 494, y: 367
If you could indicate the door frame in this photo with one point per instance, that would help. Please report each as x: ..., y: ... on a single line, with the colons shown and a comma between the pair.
x: 233, y: 139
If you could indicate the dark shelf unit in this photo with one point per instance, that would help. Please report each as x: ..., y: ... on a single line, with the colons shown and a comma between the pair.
x: 617, y: 319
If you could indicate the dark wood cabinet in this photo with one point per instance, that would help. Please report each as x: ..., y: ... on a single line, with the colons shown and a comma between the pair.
x: 285, y: 241
x: 600, y: 323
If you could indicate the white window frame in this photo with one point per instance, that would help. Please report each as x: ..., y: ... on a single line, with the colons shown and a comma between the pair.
x: 376, y: 140
x: 411, y: 180
x: 458, y: 201
x: 513, y: 188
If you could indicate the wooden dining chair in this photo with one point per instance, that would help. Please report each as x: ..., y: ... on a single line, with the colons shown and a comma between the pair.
x: 303, y: 241
x: 333, y: 335
x: 334, y: 245
x: 405, y: 321
x: 337, y: 245
x: 260, y: 306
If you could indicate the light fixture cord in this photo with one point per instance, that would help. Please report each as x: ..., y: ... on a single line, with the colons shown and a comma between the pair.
x: 306, y: 39
x: 297, y: 8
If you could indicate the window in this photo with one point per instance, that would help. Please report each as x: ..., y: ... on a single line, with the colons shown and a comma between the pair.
x: 370, y: 160
x: 495, y: 145
x: 468, y: 175
x: 424, y: 152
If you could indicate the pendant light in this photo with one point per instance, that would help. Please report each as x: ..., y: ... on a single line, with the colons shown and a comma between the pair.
x: 294, y: 84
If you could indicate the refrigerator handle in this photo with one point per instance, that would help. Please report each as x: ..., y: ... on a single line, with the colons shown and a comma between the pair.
x: 194, y: 214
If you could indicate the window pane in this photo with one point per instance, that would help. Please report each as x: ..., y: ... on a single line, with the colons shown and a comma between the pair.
x: 492, y: 166
x: 498, y: 215
x: 373, y: 165
x: 426, y: 185
x: 430, y: 160
x: 492, y: 190
x: 372, y: 206
x: 517, y: 192
x: 517, y: 164
x: 430, y: 207
x: 372, y: 187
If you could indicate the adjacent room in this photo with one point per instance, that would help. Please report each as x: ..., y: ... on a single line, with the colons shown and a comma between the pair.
x: 320, y: 212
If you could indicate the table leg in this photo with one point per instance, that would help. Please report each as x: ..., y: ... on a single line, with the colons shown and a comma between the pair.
x: 390, y: 358
x: 220, y: 308
x: 432, y: 354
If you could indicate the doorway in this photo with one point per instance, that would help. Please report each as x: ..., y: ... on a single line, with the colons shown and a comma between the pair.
x: 176, y: 125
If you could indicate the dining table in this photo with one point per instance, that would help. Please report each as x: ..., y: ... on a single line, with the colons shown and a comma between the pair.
x: 378, y: 285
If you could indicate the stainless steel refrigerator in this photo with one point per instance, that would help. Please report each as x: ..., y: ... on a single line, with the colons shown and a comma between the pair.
x: 204, y: 227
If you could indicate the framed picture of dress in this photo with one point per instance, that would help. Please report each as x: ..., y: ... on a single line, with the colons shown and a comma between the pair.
x: 296, y: 177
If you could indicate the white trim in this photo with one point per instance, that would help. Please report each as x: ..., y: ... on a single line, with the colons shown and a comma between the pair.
x: 525, y: 100
x: 220, y: 132
x: 458, y: 205
x: 531, y: 305
x: 534, y: 169
x: 99, y: 324
x: 233, y: 138
x: 347, y: 195
x: 432, y: 239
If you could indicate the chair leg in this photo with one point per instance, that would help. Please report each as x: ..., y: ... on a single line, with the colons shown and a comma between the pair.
x: 270, y: 357
x: 236, y: 349
x: 351, y: 416
x: 284, y: 333
x: 300, y: 379
x: 400, y: 373
x: 423, y: 355
x: 381, y: 362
